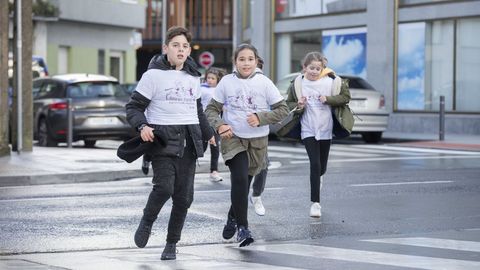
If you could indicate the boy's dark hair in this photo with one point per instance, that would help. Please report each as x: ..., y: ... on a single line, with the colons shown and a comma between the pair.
x: 177, y: 31
x: 217, y: 72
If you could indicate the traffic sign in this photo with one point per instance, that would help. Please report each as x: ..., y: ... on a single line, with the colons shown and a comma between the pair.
x: 206, y: 59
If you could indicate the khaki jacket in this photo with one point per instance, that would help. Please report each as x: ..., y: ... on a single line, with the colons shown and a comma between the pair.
x: 343, y: 121
x: 256, y: 147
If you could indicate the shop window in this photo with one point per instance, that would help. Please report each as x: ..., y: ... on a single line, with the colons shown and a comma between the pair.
x: 439, y: 58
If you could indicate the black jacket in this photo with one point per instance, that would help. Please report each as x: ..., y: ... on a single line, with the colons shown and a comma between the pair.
x: 175, y: 134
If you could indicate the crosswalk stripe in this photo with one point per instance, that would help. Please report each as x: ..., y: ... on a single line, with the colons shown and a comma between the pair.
x: 385, y: 151
x: 431, y: 243
x: 382, y: 258
x: 291, y: 152
x: 390, y: 158
x: 413, y: 149
x: 401, y: 183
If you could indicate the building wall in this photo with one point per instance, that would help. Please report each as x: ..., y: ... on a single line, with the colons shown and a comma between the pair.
x: 378, y: 18
x: 84, y: 31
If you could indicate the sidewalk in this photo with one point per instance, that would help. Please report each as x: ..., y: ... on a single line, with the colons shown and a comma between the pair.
x: 59, y: 165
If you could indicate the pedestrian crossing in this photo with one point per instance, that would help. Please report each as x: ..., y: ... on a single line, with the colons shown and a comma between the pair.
x: 380, y: 258
x: 355, y: 153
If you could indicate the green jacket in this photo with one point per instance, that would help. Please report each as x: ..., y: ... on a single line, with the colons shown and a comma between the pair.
x: 343, y: 117
x: 256, y: 147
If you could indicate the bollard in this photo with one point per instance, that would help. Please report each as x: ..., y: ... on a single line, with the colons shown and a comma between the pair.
x: 441, y: 132
x: 69, y: 123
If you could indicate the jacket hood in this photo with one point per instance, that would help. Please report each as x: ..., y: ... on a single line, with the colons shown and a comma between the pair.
x: 327, y: 72
x: 237, y: 74
x: 159, y: 61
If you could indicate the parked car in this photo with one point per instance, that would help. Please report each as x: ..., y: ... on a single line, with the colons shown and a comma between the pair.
x: 98, y: 104
x: 130, y: 87
x: 367, y: 104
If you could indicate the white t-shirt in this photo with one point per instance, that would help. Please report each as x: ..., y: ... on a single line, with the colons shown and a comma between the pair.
x: 207, y: 94
x: 242, y: 97
x: 317, y: 119
x: 173, y: 97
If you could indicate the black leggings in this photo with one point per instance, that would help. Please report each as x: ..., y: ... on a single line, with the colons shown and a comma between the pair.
x: 318, y: 155
x: 240, y: 179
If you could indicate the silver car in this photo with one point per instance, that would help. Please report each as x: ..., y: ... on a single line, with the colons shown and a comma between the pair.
x: 367, y: 105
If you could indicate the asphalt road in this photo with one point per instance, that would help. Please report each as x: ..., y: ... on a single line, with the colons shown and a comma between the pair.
x: 371, y: 194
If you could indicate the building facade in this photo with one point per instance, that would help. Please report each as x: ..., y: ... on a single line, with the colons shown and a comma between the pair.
x: 413, y: 51
x: 92, y: 36
x: 210, y: 21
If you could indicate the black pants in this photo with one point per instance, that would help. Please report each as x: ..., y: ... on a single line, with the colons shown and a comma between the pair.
x: 240, y: 179
x: 318, y: 155
x: 172, y: 178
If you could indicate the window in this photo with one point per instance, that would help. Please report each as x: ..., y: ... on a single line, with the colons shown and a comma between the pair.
x: 296, y: 8
x: 101, y: 61
x: 439, y: 58
x: 62, y: 60
x: 116, y: 65
x: 467, y: 65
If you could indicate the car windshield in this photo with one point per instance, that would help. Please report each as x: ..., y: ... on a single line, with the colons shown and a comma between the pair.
x: 95, y: 89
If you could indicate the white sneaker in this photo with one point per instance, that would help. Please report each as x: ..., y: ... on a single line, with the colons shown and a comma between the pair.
x: 215, y: 177
x: 316, y: 210
x: 258, y: 205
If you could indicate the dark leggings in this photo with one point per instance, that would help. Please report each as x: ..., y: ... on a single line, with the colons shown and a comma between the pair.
x: 317, y: 151
x: 240, y: 179
x: 214, y: 154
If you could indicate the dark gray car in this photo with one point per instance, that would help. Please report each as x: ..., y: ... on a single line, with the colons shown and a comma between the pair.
x: 98, y: 104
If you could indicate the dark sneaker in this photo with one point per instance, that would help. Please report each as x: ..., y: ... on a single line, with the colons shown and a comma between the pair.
x: 143, y: 233
x: 244, y: 236
x: 145, y: 166
x: 170, y: 252
x: 230, y: 228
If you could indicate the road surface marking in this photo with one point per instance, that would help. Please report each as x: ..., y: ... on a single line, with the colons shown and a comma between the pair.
x: 401, y: 183
x: 431, y: 243
x: 389, y: 158
x: 415, y: 149
x: 382, y: 258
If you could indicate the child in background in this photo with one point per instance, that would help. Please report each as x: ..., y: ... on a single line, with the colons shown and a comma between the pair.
x: 212, y: 78
x: 321, y: 91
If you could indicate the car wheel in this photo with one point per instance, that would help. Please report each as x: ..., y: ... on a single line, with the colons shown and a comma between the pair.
x: 89, y: 143
x: 44, y: 138
x: 372, y: 137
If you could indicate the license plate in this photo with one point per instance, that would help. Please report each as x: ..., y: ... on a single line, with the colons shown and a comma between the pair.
x: 358, y: 104
x: 103, y: 121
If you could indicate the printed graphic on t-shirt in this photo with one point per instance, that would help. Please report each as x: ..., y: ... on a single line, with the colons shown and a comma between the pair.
x: 180, y: 94
x: 242, y: 101
x: 314, y: 101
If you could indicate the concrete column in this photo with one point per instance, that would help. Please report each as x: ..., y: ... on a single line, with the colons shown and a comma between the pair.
x: 261, y: 32
x: 283, y: 55
x: 380, y: 47
x: 4, y: 20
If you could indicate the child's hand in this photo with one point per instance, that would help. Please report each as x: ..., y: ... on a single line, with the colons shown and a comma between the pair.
x: 253, y: 120
x: 301, y: 102
x: 212, y: 141
x: 147, y: 134
x: 323, y: 99
x: 225, y: 131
